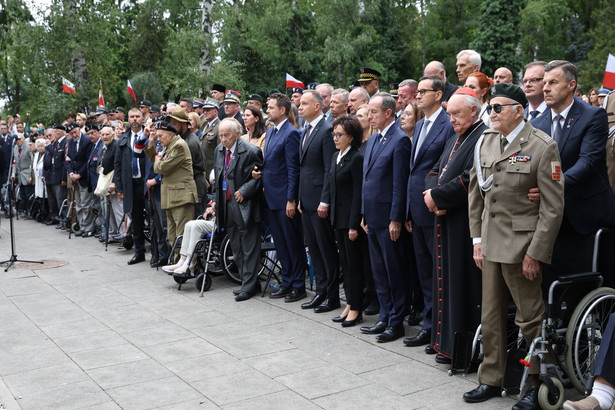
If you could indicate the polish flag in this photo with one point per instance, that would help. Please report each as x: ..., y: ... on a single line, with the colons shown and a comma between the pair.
x: 293, y: 82
x: 68, y: 87
x: 101, y: 98
x: 131, y: 91
x: 609, y: 74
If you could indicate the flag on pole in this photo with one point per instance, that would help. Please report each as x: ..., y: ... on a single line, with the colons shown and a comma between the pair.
x: 293, y: 82
x: 101, y: 98
x: 68, y: 87
x: 609, y: 74
x: 131, y: 91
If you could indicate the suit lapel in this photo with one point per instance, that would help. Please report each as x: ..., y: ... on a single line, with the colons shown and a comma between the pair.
x: 571, y: 120
x: 239, y: 149
x: 417, y: 131
x: 430, y: 137
x: 305, y: 145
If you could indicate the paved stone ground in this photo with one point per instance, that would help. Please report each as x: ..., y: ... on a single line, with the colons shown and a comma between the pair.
x: 93, y: 332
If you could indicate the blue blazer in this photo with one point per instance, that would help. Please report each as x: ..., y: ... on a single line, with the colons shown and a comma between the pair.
x: 92, y: 164
x: 420, y: 165
x: 77, y: 161
x: 588, y: 198
x: 281, y: 166
x: 385, y: 177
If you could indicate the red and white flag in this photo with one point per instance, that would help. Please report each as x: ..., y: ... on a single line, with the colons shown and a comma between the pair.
x: 131, y: 91
x: 68, y: 87
x: 609, y: 74
x: 293, y: 82
x: 101, y: 98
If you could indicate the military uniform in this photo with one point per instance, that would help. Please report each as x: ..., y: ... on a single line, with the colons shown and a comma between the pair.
x: 209, y: 142
x: 178, y: 190
x: 511, y: 226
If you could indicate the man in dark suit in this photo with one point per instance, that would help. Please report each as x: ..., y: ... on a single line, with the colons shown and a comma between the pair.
x: 91, y: 170
x: 385, y: 176
x: 431, y: 134
x: 79, y: 147
x: 238, y: 201
x: 315, y: 153
x: 130, y: 167
x: 581, y: 132
x: 280, y: 175
x: 54, y: 173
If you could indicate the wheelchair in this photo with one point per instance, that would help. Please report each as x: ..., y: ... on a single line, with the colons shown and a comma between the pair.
x: 577, y: 309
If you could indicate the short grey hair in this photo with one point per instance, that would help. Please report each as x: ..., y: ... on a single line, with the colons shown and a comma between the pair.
x: 235, y: 125
x: 388, y: 102
x: 469, y: 101
x: 409, y: 82
x: 328, y: 86
x: 363, y: 93
x: 315, y: 95
x: 569, y: 69
x: 473, y: 56
x: 343, y: 93
x: 40, y: 141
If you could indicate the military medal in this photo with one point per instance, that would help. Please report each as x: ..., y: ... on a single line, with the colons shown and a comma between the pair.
x: 513, y: 159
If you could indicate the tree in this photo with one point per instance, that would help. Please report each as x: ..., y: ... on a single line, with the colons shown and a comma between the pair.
x: 542, y: 37
x: 592, y: 69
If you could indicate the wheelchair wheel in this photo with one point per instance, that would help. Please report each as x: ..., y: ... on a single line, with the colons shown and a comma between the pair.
x: 179, y: 280
x: 551, y: 400
x: 199, y: 282
x: 76, y: 227
x: 228, y: 261
x: 584, y: 334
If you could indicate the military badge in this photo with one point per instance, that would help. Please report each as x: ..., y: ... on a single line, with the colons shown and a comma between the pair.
x: 513, y: 159
x: 556, y: 170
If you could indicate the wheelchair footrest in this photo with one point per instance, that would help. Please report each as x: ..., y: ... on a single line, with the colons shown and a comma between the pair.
x: 513, y: 371
x: 462, y: 353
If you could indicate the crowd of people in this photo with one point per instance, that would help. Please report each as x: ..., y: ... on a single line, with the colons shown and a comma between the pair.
x: 436, y: 203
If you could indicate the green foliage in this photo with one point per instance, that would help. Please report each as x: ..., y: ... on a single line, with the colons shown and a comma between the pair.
x: 592, y: 69
x: 541, y: 28
x: 146, y: 87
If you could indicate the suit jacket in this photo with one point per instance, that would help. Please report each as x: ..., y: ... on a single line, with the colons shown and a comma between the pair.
x: 239, y: 178
x: 315, y: 155
x: 54, y: 162
x: 449, y: 90
x: 346, y: 180
x: 92, y: 165
x: 581, y: 149
x: 281, y: 166
x: 209, y: 142
x: 106, y: 159
x: 22, y: 168
x: 175, y: 165
x: 77, y: 161
x: 122, y: 165
x: 422, y: 162
x: 385, y: 177
x: 6, y: 156
x: 509, y: 225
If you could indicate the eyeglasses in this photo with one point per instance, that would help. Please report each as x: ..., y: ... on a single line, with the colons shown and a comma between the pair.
x: 338, y: 136
x: 423, y: 91
x: 531, y: 80
x: 497, y: 107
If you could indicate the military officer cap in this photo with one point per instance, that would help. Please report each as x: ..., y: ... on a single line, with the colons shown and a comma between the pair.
x: 312, y: 86
x: 393, y: 89
x: 71, y: 126
x: 146, y: 102
x: 58, y: 127
x: 159, y: 118
x: 603, y: 92
x: 298, y: 90
x: 218, y: 87
x: 508, y: 90
x: 165, y: 126
x: 368, y: 74
x: 255, y: 97
x: 211, y: 103
x: 92, y: 127
x: 154, y: 108
x: 274, y: 91
x: 232, y: 96
x: 118, y: 109
x: 101, y: 110
x: 197, y: 102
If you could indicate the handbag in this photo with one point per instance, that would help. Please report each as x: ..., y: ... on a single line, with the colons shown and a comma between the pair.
x: 103, y: 183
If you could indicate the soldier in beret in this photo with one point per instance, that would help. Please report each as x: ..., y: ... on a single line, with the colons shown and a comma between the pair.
x: 512, y: 234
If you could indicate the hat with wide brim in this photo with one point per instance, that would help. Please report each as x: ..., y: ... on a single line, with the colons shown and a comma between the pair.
x: 179, y: 114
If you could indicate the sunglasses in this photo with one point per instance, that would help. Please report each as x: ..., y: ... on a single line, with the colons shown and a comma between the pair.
x: 497, y: 107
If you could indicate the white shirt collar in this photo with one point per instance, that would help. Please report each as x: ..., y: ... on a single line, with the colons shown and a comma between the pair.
x: 386, y: 129
x: 316, y: 120
x: 433, y: 116
x: 277, y: 127
x: 564, y: 112
x: 541, y: 108
x: 340, y: 155
x: 513, y: 134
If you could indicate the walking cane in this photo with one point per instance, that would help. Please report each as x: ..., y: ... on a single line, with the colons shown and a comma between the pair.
x: 108, y: 221
x: 72, y: 213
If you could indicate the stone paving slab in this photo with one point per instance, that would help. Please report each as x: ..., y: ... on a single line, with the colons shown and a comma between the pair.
x: 87, y: 331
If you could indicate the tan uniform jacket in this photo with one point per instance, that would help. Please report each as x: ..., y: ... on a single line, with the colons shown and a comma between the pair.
x: 509, y: 224
x: 175, y: 165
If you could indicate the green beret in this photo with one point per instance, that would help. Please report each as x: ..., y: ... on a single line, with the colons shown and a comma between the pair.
x: 508, y: 90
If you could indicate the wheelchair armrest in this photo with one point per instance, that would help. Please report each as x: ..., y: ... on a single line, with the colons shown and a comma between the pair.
x: 578, y: 277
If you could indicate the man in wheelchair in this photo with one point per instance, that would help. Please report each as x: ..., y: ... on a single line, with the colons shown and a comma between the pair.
x: 511, y: 234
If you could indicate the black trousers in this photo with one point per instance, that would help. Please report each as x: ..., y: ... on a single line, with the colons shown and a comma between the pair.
x: 138, y: 207
x: 351, y: 259
x: 321, y: 244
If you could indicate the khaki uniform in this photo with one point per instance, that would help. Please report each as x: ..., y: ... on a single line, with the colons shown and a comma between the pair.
x: 178, y: 189
x: 209, y: 142
x: 511, y: 226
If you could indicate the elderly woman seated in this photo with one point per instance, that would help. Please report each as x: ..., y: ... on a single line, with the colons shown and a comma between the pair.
x: 193, y: 232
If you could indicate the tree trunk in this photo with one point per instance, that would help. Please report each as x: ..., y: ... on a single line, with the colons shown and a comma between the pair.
x: 340, y: 73
x: 205, y: 55
x: 78, y: 64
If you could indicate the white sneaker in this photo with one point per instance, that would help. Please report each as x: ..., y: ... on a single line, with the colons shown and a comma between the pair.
x: 588, y: 403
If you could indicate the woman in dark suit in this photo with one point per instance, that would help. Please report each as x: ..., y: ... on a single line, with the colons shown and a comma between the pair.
x: 346, y: 179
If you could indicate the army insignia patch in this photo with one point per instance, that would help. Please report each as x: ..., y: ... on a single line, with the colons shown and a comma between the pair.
x: 519, y: 158
x: 173, y: 153
x: 556, y: 170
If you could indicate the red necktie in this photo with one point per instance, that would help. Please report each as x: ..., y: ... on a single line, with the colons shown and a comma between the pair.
x: 227, y: 164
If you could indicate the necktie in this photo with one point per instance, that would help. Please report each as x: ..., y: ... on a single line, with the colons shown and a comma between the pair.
x: 376, y: 145
x: 421, y: 137
x: 503, y: 142
x: 227, y: 164
x: 307, y: 135
x: 534, y: 113
x: 135, y: 160
x: 557, y: 131
x: 272, y: 138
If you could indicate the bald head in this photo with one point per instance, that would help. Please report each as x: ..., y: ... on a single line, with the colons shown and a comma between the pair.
x: 503, y: 75
x: 435, y: 68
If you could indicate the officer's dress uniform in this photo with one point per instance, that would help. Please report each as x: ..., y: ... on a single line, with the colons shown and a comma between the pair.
x: 511, y: 226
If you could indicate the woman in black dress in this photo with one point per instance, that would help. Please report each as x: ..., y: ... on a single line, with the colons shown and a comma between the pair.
x: 346, y: 179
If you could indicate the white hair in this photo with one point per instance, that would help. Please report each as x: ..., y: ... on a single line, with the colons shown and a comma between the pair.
x: 473, y: 56
x: 40, y: 141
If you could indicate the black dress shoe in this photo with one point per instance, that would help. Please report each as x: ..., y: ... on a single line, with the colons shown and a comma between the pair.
x: 243, y: 296
x: 339, y: 319
x: 236, y: 292
x: 327, y: 306
x: 295, y: 295
x: 316, y: 301
x: 391, y: 333
x: 529, y: 400
x: 440, y: 358
x: 280, y: 293
x: 376, y: 329
x: 350, y: 323
x: 414, y: 317
x: 87, y: 234
x: 372, y: 309
x: 482, y: 393
x: 136, y: 259
x: 422, y: 338
x: 430, y: 350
